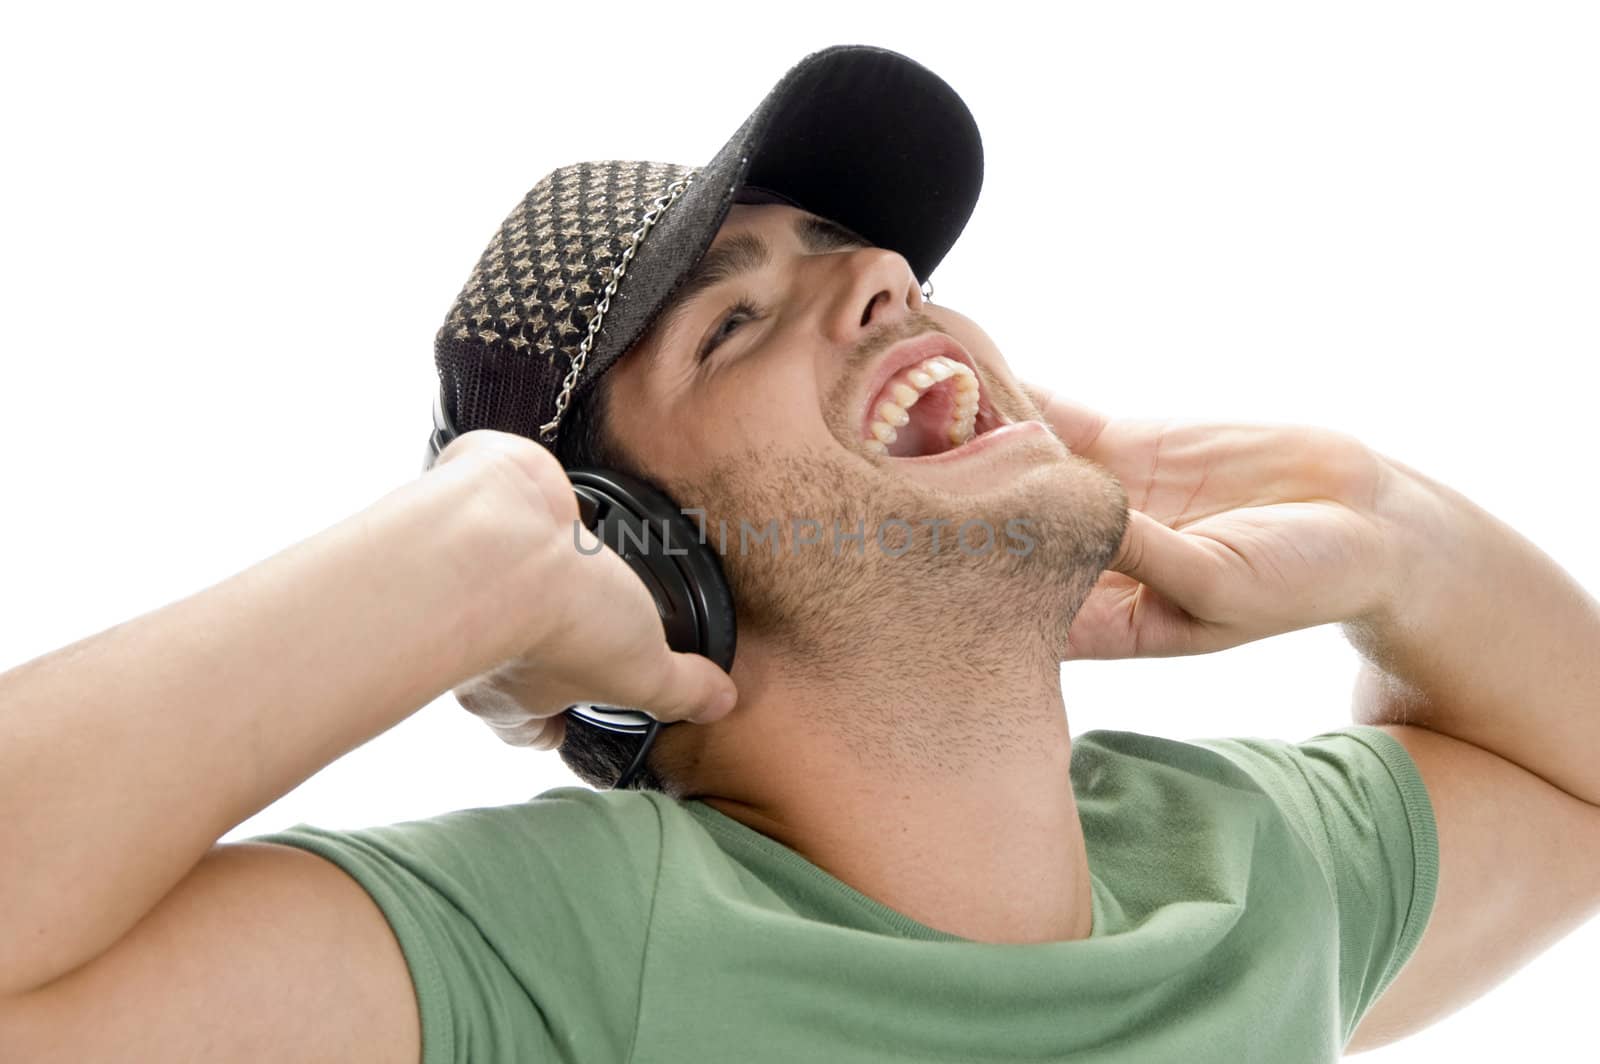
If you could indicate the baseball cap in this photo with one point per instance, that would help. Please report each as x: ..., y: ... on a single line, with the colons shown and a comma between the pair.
x: 585, y: 263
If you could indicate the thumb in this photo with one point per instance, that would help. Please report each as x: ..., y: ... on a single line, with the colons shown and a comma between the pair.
x: 1180, y: 566
x: 685, y: 687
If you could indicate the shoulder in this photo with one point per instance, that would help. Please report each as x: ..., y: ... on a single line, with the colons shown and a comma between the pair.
x: 1254, y: 763
x: 1099, y: 754
x: 561, y: 838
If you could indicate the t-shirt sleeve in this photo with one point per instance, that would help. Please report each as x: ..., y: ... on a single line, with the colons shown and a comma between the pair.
x: 1357, y: 799
x: 523, y: 926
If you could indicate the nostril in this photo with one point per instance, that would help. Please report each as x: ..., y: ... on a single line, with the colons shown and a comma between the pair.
x: 866, y: 318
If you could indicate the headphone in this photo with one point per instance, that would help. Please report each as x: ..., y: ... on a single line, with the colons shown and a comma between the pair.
x: 682, y: 572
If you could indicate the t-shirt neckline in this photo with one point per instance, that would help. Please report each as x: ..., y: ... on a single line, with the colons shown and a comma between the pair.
x: 741, y: 836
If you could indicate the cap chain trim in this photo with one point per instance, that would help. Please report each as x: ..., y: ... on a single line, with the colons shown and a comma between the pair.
x: 547, y: 431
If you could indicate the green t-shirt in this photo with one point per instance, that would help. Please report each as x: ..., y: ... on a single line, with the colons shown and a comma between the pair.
x: 1251, y: 897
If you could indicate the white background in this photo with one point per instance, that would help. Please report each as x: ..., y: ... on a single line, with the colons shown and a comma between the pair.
x: 228, y: 233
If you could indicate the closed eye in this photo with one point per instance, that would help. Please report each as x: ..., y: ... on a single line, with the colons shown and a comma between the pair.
x: 741, y: 309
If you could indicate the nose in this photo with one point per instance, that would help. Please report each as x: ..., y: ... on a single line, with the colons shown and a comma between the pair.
x: 872, y: 288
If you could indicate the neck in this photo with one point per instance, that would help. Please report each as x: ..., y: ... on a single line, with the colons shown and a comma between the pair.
x: 937, y: 785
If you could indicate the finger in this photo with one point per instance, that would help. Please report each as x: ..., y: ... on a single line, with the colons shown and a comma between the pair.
x: 1038, y: 395
x: 538, y: 733
x: 1183, y: 568
x: 552, y: 733
x: 480, y: 442
x: 678, y: 687
x: 486, y: 697
x: 534, y: 472
x: 1077, y: 425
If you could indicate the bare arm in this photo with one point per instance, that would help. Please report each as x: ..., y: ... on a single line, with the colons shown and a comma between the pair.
x: 126, y: 755
x: 125, y: 931
x: 1490, y: 641
x: 262, y: 952
x: 1484, y: 668
x: 1519, y: 869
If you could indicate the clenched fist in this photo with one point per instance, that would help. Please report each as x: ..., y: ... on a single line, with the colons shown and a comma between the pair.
x: 592, y: 630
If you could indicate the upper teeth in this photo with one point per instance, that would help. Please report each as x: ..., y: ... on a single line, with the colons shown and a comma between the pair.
x: 908, y: 386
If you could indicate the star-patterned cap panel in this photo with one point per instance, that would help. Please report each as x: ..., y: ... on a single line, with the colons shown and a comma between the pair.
x: 524, y: 312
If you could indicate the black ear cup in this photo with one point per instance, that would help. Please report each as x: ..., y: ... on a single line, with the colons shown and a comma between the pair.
x: 683, y: 574
x: 660, y: 544
x: 684, y: 577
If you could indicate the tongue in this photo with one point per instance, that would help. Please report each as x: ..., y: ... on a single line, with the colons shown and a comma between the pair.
x: 928, y: 431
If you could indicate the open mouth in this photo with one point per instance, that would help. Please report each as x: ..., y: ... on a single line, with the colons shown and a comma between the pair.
x: 929, y: 402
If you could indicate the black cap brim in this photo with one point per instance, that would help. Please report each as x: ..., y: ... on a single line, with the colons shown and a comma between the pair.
x: 864, y: 136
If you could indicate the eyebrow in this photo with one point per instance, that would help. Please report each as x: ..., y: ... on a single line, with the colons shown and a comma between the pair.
x: 745, y: 254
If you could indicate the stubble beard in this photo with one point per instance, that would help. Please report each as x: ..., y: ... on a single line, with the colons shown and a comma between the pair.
x: 878, y: 635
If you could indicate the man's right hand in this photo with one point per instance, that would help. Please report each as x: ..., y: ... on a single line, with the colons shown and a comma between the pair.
x: 593, y: 633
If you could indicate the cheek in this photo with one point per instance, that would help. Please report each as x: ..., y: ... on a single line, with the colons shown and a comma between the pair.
x: 758, y: 406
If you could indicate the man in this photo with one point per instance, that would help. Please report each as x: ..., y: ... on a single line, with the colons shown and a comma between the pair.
x: 889, y: 847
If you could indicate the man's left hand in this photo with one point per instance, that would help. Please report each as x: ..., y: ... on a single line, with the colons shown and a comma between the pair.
x: 1236, y: 532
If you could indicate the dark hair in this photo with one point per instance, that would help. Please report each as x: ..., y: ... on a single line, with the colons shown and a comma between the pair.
x: 596, y: 756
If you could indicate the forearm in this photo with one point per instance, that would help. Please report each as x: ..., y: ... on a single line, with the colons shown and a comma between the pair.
x: 1485, y: 639
x: 126, y: 755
